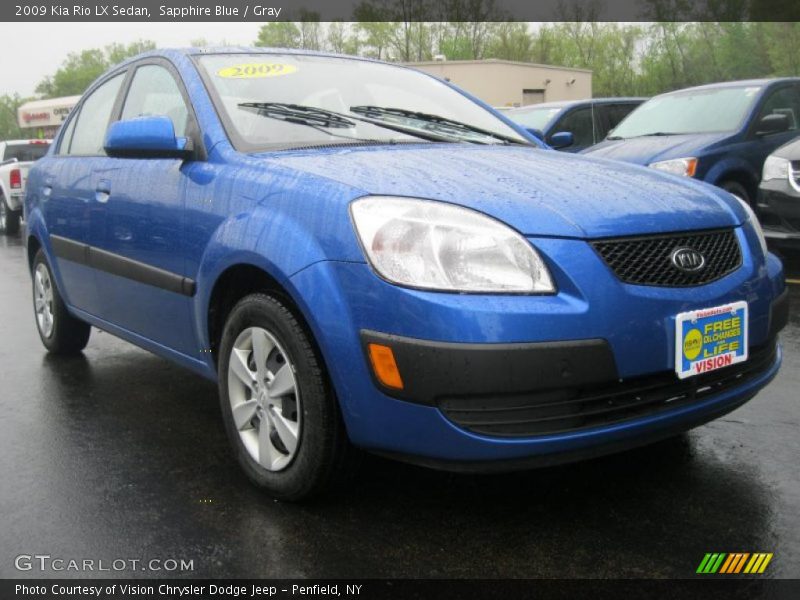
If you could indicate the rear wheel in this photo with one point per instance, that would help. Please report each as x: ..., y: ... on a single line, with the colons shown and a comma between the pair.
x: 60, y: 332
x: 737, y: 189
x: 279, y: 411
x: 9, y: 219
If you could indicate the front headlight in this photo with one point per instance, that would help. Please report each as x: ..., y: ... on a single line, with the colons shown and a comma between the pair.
x: 438, y: 246
x: 677, y: 166
x: 776, y: 168
x: 751, y: 216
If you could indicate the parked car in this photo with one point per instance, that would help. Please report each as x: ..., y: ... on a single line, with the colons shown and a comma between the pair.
x: 361, y: 255
x: 719, y: 133
x: 16, y: 157
x: 779, y: 199
x: 574, y: 125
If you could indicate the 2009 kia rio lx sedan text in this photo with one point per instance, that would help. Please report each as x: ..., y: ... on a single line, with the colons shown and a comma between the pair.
x: 364, y: 256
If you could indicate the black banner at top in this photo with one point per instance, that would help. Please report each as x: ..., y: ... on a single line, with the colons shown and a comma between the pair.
x: 398, y: 10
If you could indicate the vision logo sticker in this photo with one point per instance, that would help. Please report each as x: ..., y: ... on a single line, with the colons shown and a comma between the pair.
x: 256, y: 71
x: 734, y: 563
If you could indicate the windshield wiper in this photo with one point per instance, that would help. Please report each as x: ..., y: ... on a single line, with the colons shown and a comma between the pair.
x: 297, y: 113
x: 653, y: 134
x: 434, y: 123
x: 319, y: 118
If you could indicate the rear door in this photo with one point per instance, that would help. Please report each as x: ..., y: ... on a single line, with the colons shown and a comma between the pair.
x: 68, y: 198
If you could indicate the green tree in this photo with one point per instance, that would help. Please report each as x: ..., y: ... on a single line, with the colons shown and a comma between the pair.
x: 9, y: 126
x: 80, y: 69
x: 281, y: 34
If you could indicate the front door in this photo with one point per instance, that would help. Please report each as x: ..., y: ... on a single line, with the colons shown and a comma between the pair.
x: 140, y: 263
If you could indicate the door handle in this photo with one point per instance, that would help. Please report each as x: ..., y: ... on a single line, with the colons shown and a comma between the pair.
x: 102, y: 191
x: 47, y: 190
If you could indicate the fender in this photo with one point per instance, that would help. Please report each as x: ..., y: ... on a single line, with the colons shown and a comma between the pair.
x: 729, y: 164
x: 282, y: 247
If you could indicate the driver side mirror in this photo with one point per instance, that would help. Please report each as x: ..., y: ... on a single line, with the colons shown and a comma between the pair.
x: 146, y: 137
x: 774, y: 123
x: 562, y: 139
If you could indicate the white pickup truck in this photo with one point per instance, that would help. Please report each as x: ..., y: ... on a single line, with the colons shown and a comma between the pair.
x: 16, y: 157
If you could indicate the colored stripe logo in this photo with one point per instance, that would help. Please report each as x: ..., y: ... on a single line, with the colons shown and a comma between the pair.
x: 734, y: 563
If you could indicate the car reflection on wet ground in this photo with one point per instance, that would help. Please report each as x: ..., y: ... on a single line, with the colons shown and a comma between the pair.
x: 120, y: 454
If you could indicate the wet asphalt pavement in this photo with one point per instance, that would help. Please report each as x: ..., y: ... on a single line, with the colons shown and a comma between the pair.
x: 120, y: 454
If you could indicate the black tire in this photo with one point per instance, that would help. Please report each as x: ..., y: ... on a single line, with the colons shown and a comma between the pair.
x: 68, y: 335
x: 737, y: 189
x: 9, y: 219
x: 322, y: 455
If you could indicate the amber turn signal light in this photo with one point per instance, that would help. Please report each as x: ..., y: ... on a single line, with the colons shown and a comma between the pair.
x: 384, y: 366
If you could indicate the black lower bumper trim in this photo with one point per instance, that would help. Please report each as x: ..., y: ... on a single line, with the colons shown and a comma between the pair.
x: 779, y: 315
x: 569, y: 456
x: 431, y: 370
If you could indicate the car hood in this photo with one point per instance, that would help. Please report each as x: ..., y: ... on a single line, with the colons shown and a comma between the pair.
x: 647, y: 149
x: 536, y: 191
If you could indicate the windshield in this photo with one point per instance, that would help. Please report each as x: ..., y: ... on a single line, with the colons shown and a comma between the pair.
x: 694, y: 111
x: 274, y: 101
x: 26, y: 152
x: 535, y: 118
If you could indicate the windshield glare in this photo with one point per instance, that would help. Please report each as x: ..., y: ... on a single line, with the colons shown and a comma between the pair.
x: 698, y: 111
x: 332, y: 84
x: 536, y: 118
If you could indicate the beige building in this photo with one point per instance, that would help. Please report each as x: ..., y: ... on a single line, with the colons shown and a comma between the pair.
x: 510, y: 83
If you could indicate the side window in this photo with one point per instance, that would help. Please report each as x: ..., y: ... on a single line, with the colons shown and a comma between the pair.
x: 66, y: 139
x: 784, y: 101
x: 579, y: 123
x: 617, y: 112
x: 612, y: 115
x: 92, y: 122
x: 154, y: 91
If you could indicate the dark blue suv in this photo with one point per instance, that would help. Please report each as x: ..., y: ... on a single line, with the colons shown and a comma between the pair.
x: 719, y: 133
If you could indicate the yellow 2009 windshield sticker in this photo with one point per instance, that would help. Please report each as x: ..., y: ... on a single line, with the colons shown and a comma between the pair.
x: 255, y: 70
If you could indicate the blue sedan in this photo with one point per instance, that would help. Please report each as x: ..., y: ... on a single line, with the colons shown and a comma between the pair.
x: 363, y: 256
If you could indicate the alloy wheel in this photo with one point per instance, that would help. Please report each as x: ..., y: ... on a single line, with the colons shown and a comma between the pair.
x: 43, y: 300
x: 264, y: 398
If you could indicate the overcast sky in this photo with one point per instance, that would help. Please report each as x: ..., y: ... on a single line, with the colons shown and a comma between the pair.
x: 31, y: 51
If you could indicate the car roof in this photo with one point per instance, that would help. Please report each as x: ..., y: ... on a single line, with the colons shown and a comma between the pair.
x: 738, y: 83
x: 571, y: 103
x: 200, y: 51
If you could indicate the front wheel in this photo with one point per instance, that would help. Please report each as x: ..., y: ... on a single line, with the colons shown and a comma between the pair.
x: 279, y: 411
x: 60, y: 332
x: 737, y: 189
x: 9, y: 219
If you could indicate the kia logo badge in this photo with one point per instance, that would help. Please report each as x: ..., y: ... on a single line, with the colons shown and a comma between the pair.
x: 688, y: 260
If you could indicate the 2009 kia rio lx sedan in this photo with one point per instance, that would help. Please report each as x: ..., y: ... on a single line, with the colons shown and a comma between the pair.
x: 364, y: 256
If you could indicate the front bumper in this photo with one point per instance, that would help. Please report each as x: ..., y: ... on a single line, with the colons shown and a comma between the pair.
x: 593, y: 333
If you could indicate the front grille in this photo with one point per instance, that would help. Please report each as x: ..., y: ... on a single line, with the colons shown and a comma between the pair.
x: 647, y: 260
x: 573, y: 409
